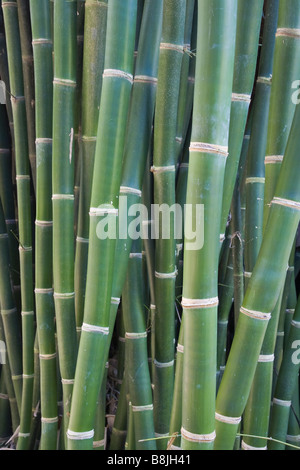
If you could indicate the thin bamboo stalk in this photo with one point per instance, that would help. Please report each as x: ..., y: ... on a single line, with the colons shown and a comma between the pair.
x: 24, y: 213
x: 139, y: 383
x: 116, y: 89
x: 208, y: 150
x: 28, y: 75
x: 43, y: 72
x: 10, y: 317
x: 164, y: 166
x: 260, y: 297
x: 247, y: 39
x: 64, y: 92
x: 93, y: 62
x: 257, y: 418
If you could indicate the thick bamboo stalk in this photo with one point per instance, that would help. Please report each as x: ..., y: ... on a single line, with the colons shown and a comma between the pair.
x: 116, y: 89
x: 261, y: 296
x: 93, y: 62
x: 24, y: 213
x: 164, y: 166
x: 247, y: 38
x: 208, y: 151
x: 64, y: 93
x: 43, y: 72
x: 256, y: 420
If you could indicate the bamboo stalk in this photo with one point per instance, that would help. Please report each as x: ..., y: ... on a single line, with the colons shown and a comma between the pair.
x: 43, y: 72
x: 64, y: 92
x: 260, y: 297
x: 139, y: 383
x: 10, y: 12
x: 208, y: 151
x: 164, y: 165
x: 285, y: 386
x: 93, y: 62
x: 28, y: 74
x: 116, y: 89
x: 247, y: 38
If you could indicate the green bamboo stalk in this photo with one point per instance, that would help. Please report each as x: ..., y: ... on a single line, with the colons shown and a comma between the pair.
x: 164, y: 166
x: 261, y: 296
x: 255, y: 171
x: 5, y: 422
x: 139, y: 383
x: 282, y: 105
x: 7, y: 194
x: 285, y: 385
x: 24, y: 213
x: 10, y: 317
x: 116, y: 89
x: 64, y: 93
x: 293, y: 433
x: 247, y: 38
x: 93, y: 62
x: 28, y: 75
x: 257, y: 418
x: 208, y: 151
x: 43, y: 72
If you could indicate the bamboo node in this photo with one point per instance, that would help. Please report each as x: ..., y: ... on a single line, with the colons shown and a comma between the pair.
x: 205, y: 147
x: 286, y: 202
x: 255, y: 179
x: 199, y: 303
x: 255, y: 314
x: 166, y: 275
x: 192, y: 437
x: 246, y: 446
x: 264, y: 80
x: 75, y: 435
x: 180, y: 348
x: 115, y: 300
x: 173, y: 47
x: 132, y: 335
x: 278, y: 401
x: 64, y: 295
x: 64, y: 81
x: 95, y: 328
x: 295, y: 323
x: 266, y: 358
x: 103, y: 210
x: 162, y: 169
x: 82, y: 240
x: 62, y: 197
x: 145, y: 79
x: 47, y: 356
x: 128, y: 190
x: 273, y: 159
x: 241, y: 97
x: 109, y: 73
x: 161, y: 365
x: 228, y: 419
x: 44, y: 223
x: 41, y: 41
x: 288, y: 32
x: 31, y: 312
x: 142, y: 407
x: 49, y: 420
x: 136, y: 255
x: 67, y: 381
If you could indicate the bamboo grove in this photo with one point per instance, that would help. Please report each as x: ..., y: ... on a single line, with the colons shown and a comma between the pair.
x: 149, y: 215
